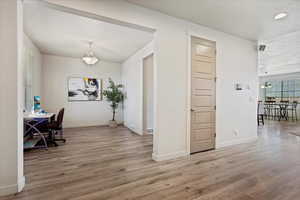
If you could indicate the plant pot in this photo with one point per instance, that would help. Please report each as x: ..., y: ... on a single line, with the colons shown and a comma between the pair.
x: 113, y: 124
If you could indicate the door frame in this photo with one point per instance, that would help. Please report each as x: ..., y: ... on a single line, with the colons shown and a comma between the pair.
x: 191, y: 34
x: 153, y: 98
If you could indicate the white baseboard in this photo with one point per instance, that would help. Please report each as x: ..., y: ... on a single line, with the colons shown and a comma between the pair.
x: 21, y: 184
x: 169, y: 156
x: 133, y: 130
x: 236, y: 142
x: 12, y: 189
x: 9, y: 189
x: 87, y: 125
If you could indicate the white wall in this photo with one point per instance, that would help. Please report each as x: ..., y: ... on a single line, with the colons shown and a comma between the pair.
x: 11, y: 144
x: 132, y: 79
x: 32, y: 71
x: 282, y: 55
x: 236, y: 62
x: 57, y: 70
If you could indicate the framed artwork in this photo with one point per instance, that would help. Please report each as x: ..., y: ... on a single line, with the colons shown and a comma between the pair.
x: 84, y: 89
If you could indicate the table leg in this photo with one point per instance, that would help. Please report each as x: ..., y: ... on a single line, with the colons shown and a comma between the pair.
x: 37, y: 131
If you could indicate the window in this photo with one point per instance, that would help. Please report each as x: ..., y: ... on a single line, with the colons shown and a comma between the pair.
x: 283, y: 89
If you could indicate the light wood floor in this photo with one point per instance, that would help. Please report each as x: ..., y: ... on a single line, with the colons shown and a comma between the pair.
x: 104, y: 163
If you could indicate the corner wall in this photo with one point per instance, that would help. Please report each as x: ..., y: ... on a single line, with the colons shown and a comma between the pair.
x: 11, y: 120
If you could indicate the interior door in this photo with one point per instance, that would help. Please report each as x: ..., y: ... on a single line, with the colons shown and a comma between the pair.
x: 203, y: 95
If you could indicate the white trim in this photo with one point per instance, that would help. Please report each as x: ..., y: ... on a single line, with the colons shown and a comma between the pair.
x: 169, y: 156
x: 155, y: 136
x: 236, y: 142
x: 13, y: 189
x: 155, y: 101
x: 132, y: 130
x: 20, y: 124
x: 91, y: 15
x: 189, y: 86
x: 9, y: 189
x: 190, y: 34
x: 142, y: 88
x: 21, y: 184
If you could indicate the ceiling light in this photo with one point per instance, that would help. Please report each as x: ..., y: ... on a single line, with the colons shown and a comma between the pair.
x: 280, y: 16
x: 266, y: 85
x: 89, y: 58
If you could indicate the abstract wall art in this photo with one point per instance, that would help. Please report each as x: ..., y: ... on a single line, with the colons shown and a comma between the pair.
x: 84, y: 89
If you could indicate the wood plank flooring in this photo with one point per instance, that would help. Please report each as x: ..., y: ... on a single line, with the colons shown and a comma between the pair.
x: 115, y: 164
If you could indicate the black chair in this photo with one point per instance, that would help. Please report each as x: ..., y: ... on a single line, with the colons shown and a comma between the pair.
x: 293, y: 109
x: 43, y: 127
x: 56, y: 128
x: 260, y: 114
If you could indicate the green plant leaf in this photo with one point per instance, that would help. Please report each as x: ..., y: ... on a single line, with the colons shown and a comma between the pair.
x: 114, y: 95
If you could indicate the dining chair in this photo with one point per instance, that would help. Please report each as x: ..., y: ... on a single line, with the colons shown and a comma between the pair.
x: 260, y: 113
x: 293, y: 109
x: 271, y: 109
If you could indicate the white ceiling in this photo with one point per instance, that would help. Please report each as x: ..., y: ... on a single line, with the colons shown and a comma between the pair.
x: 64, y: 34
x: 250, y: 19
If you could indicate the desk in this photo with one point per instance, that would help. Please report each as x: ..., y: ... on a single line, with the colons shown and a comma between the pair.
x: 32, y: 121
x: 30, y: 116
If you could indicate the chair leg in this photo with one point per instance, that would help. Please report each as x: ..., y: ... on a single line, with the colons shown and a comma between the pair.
x: 61, y: 140
x: 52, y: 138
x: 61, y: 137
x: 260, y: 118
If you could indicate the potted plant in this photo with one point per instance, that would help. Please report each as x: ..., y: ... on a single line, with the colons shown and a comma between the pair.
x: 115, y: 96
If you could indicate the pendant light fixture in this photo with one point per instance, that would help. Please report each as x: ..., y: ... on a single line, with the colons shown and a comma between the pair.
x: 90, y: 58
x: 266, y: 85
x: 281, y: 15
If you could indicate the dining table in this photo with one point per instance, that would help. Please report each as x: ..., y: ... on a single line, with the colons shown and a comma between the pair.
x: 277, y: 109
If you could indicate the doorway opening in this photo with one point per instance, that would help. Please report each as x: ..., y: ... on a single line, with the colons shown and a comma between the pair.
x: 148, y: 99
x: 278, y: 105
x: 69, y: 62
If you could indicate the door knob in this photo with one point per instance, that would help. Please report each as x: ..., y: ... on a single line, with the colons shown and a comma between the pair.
x: 192, y: 110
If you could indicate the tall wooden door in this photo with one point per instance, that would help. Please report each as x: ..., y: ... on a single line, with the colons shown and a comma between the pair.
x: 203, y: 95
